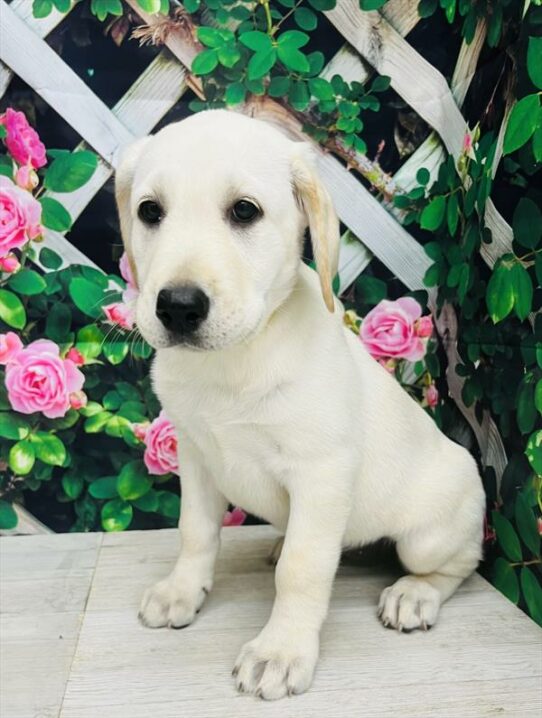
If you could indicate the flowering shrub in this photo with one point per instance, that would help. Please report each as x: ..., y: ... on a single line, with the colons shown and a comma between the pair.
x: 397, y: 335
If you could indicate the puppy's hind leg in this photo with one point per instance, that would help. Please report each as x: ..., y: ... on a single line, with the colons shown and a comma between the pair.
x: 439, y: 559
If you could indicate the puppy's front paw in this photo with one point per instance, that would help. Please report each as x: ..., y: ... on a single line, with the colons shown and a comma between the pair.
x: 409, y: 604
x: 172, y: 602
x: 272, y: 666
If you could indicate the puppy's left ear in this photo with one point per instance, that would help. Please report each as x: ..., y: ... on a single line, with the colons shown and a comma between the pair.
x: 323, y: 222
x: 124, y: 178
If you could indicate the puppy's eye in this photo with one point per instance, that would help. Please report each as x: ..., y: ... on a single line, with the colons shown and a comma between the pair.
x: 244, y: 211
x: 150, y: 212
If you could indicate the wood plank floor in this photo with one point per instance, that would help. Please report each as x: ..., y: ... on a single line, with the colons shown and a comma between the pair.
x: 71, y: 645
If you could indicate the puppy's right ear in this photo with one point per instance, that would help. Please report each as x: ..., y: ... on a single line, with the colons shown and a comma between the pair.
x: 124, y: 177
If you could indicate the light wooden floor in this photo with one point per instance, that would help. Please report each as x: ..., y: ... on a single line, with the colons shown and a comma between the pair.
x: 71, y: 645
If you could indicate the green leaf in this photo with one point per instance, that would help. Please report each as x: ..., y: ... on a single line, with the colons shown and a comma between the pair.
x: 321, y: 89
x: 452, y: 214
x: 12, y: 311
x: 305, y: 18
x: 260, y: 63
x: 533, y: 451
x: 526, y: 410
x: 95, y: 423
x: 191, y: 6
x: 423, y: 176
x: 534, y: 61
x: 526, y: 524
x: 370, y: 290
x: 48, y: 448
x: 42, y: 8
x: 8, y: 517
x: 22, y: 457
x: 292, y: 58
x: 115, y: 351
x: 13, y: 426
x: 527, y: 223
x: 522, y: 289
x: 256, y: 40
x: 104, y: 488
x: 507, y: 537
x: 58, y: 323
x: 205, y: 62
x: 228, y: 55
x: 116, y: 515
x: 169, y: 504
x: 500, y: 292
x: 323, y: 5
x: 235, y: 93
x: 87, y: 296
x: 70, y: 170
x: 293, y: 39
x: 537, y: 144
x: 523, y: 121
x: 506, y: 580
x: 89, y: 341
x: 381, y: 84
x: 133, y: 481
x: 532, y: 593
x: 50, y: 259
x: 150, y: 6
x: 91, y: 409
x: 279, y: 86
x: 27, y: 281
x: 538, y: 396
x: 371, y: 4
x: 210, y: 36
x: 54, y: 215
x: 433, y: 214
x: 149, y: 502
x: 72, y: 485
x: 102, y: 8
x: 299, y: 96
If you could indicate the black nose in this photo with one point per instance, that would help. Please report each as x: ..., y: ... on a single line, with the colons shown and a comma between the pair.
x: 183, y: 308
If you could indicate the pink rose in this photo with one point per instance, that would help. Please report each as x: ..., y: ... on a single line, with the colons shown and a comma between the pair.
x: 38, y: 379
x: 236, y: 517
x: 489, y: 533
x: 430, y: 394
x: 9, y: 264
x: 26, y: 178
x: 140, y: 430
x: 161, y: 447
x: 388, y: 330
x: 121, y: 314
x: 539, y: 525
x: 424, y: 326
x: 75, y: 356
x: 78, y: 399
x: 22, y: 141
x: 10, y: 343
x: 20, y: 216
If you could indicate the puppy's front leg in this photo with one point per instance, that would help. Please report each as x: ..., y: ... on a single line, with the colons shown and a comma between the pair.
x: 175, y: 600
x: 282, y: 658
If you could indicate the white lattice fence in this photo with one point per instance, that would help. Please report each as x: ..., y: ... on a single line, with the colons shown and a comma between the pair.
x: 375, y: 41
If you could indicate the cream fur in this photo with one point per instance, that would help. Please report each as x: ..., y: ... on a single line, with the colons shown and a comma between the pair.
x: 281, y: 410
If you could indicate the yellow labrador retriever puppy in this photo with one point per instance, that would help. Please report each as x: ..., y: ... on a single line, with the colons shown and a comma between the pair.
x: 278, y: 406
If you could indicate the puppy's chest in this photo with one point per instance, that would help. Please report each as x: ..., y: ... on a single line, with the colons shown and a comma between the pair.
x: 243, y: 437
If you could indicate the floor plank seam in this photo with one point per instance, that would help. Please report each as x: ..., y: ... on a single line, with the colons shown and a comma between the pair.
x: 83, y: 617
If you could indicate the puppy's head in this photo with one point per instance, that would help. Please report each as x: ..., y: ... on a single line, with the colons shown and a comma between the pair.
x: 212, y: 212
